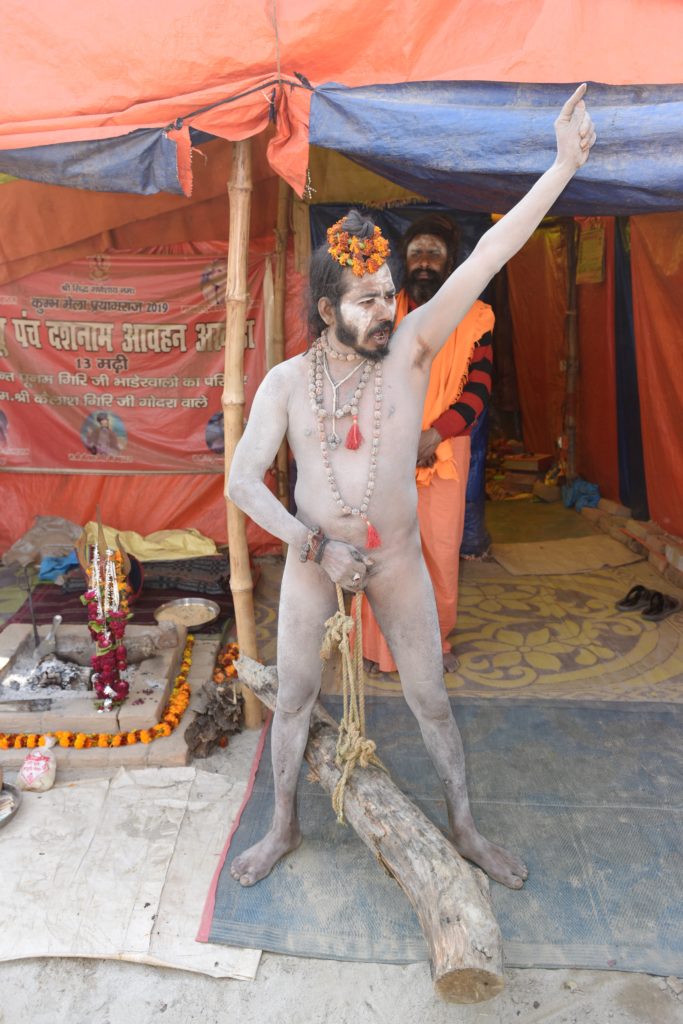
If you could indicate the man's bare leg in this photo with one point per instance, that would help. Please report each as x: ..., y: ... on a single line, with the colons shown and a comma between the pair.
x: 402, y: 599
x: 307, y: 599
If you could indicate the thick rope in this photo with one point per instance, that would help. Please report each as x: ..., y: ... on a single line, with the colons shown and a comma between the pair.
x: 353, y: 747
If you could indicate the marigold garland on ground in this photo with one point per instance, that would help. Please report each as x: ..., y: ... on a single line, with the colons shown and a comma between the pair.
x: 173, y: 713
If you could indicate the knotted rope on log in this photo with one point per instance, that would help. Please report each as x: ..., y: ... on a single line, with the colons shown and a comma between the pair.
x: 353, y: 746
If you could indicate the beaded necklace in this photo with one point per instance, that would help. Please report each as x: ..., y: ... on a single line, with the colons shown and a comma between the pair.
x: 319, y: 370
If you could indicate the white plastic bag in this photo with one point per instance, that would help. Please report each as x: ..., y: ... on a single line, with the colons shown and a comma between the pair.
x: 37, y: 773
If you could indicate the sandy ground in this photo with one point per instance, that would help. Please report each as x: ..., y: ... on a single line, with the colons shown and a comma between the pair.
x: 289, y: 990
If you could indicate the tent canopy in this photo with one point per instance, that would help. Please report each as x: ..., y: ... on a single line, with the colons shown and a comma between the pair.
x: 227, y: 69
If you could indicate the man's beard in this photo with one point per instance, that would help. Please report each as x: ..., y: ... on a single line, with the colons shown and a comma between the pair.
x: 348, y: 335
x: 422, y: 289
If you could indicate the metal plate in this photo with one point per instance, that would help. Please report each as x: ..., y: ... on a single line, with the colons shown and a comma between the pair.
x: 16, y: 796
x: 205, y: 612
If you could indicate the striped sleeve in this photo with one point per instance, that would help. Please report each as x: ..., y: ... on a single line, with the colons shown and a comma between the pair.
x: 462, y: 415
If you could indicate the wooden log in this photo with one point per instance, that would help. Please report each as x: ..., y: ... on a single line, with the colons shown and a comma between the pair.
x: 236, y: 299
x: 450, y: 897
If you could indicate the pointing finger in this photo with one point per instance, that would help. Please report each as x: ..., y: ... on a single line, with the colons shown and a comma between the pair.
x: 572, y: 102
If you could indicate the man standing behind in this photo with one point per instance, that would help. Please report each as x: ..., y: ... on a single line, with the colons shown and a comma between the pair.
x: 458, y: 391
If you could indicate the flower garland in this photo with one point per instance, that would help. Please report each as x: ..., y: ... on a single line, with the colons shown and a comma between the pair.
x: 225, y: 667
x: 361, y: 255
x: 170, y: 720
x: 107, y: 602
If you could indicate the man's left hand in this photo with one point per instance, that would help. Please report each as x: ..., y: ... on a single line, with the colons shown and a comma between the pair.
x: 426, y: 450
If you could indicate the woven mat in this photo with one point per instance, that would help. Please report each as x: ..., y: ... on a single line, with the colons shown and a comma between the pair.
x: 552, y: 557
x: 589, y: 796
x: 50, y: 600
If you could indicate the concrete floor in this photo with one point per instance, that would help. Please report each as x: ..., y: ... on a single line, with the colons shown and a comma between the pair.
x: 290, y: 990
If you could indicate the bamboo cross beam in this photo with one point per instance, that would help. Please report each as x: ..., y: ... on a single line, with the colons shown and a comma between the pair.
x: 236, y: 300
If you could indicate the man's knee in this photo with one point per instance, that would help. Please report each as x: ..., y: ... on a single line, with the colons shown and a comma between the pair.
x: 300, y: 704
x: 429, y: 701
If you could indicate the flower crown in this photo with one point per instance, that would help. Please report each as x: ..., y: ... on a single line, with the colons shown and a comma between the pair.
x: 361, y: 255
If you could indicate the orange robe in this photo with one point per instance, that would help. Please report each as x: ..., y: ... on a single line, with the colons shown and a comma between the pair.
x: 440, y: 487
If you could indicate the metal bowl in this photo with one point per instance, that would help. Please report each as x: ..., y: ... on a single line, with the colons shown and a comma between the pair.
x: 16, y: 796
x: 191, y: 612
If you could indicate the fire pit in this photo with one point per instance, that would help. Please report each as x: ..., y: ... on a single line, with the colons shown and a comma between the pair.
x: 56, y: 694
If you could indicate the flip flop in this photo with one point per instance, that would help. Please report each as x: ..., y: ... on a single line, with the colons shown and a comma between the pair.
x: 660, y: 606
x: 637, y: 597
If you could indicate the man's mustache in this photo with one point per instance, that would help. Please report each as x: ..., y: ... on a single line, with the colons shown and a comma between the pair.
x: 425, y: 274
x: 385, y: 325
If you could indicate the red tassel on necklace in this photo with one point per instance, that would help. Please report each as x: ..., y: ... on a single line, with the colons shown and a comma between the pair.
x: 373, y: 540
x: 354, y: 438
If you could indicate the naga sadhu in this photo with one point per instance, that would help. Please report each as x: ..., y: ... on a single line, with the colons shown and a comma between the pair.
x: 351, y: 409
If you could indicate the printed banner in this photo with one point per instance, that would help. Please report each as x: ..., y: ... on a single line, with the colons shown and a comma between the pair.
x: 115, y: 363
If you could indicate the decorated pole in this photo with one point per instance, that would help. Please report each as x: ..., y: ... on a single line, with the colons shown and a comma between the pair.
x: 236, y: 298
x: 278, y: 351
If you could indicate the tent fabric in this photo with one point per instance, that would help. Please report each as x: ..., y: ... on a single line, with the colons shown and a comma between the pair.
x: 657, y: 264
x: 212, y: 66
x: 144, y: 162
x: 632, y: 483
x: 597, y: 453
x: 482, y: 145
x: 61, y: 224
x: 537, y: 282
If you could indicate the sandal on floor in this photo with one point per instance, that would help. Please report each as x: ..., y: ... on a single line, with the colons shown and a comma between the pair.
x: 637, y: 597
x: 660, y: 606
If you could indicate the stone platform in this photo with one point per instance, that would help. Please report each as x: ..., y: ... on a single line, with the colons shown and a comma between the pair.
x: 152, y: 683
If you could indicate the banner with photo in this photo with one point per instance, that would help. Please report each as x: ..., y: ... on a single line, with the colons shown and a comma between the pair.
x: 115, y: 363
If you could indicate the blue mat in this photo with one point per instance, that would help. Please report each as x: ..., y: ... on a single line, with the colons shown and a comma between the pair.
x: 589, y: 796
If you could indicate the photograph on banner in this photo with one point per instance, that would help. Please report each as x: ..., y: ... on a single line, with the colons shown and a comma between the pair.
x: 115, y: 363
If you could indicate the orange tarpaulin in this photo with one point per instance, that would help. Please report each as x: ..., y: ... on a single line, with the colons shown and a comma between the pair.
x: 597, y: 454
x: 537, y: 279
x: 657, y: 271
x: 62, y: 224
x: 106, y: 70
x: 140, y: 502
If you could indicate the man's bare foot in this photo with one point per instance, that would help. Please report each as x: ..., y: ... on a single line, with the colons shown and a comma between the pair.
x: 371, y: 667
x: 498, y: 864
x: 259, y: 860
x: 450, y: 662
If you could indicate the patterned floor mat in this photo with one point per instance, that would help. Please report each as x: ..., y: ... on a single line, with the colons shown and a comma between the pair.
x: 538, y: 636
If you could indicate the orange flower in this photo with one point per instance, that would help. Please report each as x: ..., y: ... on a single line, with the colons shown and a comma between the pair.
x: 79, y: 742
x: 4, y: 743
x: 117, y: 740
x: 145, y: 736
x: 18, y: 742
x: 32, y: 741
x: 131, y: 738
x: 102, y: 740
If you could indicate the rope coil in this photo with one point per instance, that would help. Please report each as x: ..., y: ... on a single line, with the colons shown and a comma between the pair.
x: 353, y: 746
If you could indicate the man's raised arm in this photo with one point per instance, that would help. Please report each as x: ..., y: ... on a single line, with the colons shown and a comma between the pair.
x: 436, y: 319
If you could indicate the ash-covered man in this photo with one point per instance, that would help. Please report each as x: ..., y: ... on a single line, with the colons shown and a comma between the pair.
x: 458, y: 391
x: 351, y: 408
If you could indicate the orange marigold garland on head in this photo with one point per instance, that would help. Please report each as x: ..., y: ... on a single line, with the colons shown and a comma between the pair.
x: 361, y: 255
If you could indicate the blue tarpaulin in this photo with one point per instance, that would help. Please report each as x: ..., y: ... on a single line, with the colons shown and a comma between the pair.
x: 481, y: 145
x: 143, y: 162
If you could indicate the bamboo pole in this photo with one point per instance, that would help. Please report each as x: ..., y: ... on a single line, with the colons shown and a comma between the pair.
x: 278, y: 350
x: 572, y: 350
x: 236, y: 299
